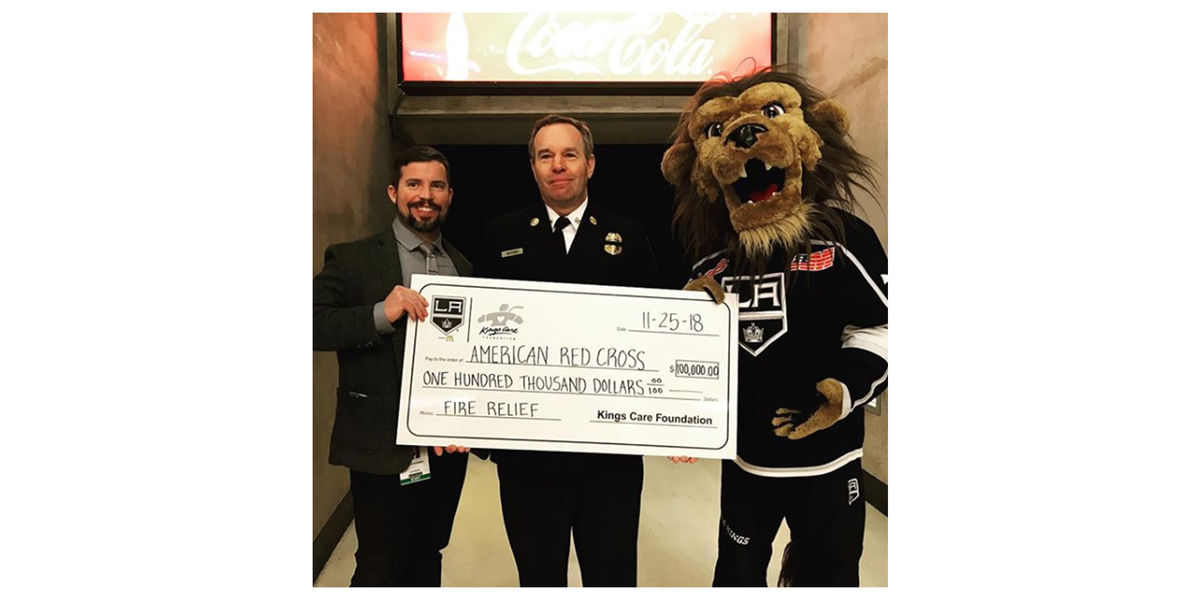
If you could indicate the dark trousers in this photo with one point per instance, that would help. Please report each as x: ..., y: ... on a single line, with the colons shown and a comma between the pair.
x: 825, y: 519
x: 402, y: 529
x: 598, y: 500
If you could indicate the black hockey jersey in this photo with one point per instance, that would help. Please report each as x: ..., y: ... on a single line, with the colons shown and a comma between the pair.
x: 808, y: 317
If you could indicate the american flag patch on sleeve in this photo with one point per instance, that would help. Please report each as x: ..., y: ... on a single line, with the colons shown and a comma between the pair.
x: 713, y: 272
x: 817, y: 261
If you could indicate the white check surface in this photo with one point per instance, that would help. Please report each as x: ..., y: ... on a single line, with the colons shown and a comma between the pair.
x: 567, y: 367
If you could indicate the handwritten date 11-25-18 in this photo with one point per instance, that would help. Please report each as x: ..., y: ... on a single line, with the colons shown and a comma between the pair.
x: 669, y: 321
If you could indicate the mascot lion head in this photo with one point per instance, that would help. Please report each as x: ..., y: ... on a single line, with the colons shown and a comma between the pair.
x: 757, y: 162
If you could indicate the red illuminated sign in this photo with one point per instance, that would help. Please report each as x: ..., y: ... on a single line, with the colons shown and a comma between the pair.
x: 582, y: 48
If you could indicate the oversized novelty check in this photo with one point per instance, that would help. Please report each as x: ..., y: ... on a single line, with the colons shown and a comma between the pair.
x: 566, y: 367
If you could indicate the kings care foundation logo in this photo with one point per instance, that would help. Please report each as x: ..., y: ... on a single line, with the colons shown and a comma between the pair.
x: 502, y: 323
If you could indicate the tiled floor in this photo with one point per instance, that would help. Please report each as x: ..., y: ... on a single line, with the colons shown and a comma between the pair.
x: 676, y: 544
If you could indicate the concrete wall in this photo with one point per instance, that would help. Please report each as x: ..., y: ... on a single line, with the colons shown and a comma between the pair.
x: 351, y: 149
x: 846, y: 56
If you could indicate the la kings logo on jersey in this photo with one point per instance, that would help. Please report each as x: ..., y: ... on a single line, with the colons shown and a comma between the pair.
x: 762, y: 309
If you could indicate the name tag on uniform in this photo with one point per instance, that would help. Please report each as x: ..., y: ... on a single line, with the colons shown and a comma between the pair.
x: 418, y: 469
x: 512, y: 252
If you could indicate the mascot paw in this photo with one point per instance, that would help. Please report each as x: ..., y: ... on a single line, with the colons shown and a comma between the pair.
x: 709, y: 285
x: 824, y: 410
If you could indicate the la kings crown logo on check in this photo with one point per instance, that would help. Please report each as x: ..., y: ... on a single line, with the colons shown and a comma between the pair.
x: 447, y: 313
x: 761, y: 309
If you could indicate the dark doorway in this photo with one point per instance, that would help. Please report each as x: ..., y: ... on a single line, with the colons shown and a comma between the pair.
x: 489, y: 181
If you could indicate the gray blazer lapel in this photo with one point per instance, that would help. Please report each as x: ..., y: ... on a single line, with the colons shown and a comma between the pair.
x: 390, y: 275
x: 388, y: 271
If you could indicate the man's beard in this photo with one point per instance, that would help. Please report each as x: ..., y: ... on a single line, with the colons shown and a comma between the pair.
x: 424, y: 226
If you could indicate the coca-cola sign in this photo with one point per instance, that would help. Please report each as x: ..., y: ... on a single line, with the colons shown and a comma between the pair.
x: 577, y: 47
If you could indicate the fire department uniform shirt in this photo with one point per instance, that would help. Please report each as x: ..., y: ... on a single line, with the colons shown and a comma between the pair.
x: 808, y: 317
x: 575, y: 217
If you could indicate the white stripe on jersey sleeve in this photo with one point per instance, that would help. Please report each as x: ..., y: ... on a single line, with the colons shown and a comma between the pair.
x: 847, y: 407
x: 874, y: 386
x: 701, y: 261
x: 828, y: 467
x: 861, y: 269
x: 847, y: 404
x: 871, y: 339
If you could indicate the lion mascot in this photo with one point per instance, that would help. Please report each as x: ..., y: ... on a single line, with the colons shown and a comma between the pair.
x: 765, y: 179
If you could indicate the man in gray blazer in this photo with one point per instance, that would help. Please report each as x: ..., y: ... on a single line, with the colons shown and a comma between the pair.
x: 361, y: 299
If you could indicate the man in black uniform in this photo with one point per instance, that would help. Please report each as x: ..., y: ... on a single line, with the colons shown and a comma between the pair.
x: 360, y: 300
x: 547, y: 496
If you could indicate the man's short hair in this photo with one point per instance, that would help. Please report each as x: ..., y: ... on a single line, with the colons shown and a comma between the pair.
x: 584, y: 131
x: 414, y: 154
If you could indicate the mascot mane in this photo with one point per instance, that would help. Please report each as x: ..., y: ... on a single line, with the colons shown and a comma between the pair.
x: 702, y: 220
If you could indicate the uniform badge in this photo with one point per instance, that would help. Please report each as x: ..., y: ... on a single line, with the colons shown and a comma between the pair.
x: 534, y: 221
x: 613, y: 238
x: 612, y: 249
x: 511, y: 252
x: 592, y: 220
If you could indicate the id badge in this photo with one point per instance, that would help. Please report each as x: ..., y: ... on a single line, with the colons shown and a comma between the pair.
x: 418, y: 469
